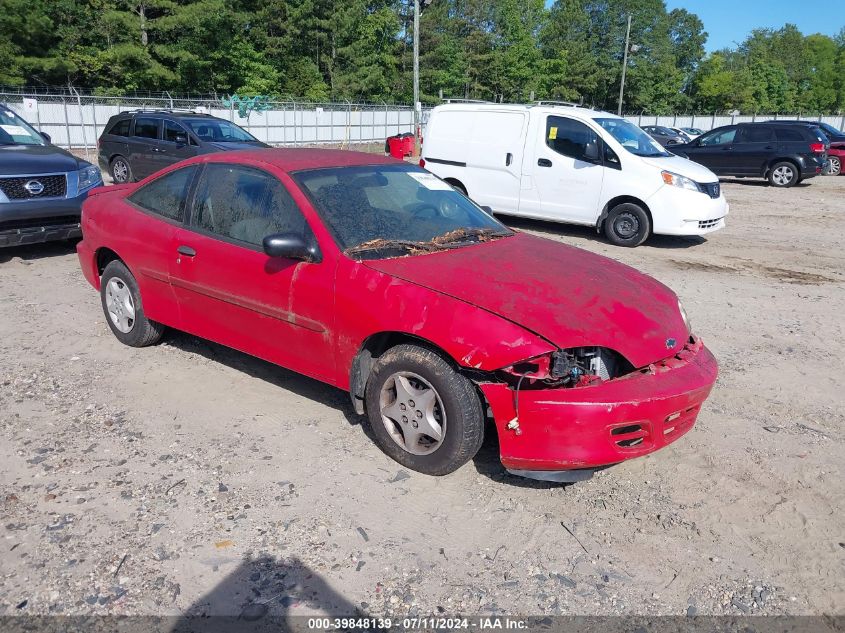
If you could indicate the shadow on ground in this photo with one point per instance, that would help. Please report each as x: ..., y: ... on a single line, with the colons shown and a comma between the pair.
x: 32, y: 252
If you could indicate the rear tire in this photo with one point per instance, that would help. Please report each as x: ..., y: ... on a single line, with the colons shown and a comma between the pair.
x: 124, y: 311
x: 784, y: 174
x: 423, y: 413
x: 459, y: 187
x: 835, y: 166
x: 120, y: 170
x: 627, y: 224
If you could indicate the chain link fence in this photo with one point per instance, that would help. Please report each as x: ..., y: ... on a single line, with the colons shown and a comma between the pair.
x: 75, y: 121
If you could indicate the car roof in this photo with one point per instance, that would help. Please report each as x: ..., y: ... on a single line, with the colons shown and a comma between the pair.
x: 574, y: 111
x: 177, y: 114
x: 298, y: 159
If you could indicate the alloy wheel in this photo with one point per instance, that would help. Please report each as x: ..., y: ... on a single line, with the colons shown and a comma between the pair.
x: 412, y: 413
x: 783, y: 175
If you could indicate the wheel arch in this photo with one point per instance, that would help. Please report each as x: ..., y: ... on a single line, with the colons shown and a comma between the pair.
x: 457, y: 184
x: 613, y: 202
x: 103, y: 256
x: 783, y: 159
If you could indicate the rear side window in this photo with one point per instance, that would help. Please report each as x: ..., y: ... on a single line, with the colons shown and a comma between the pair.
x: 166, y: 196
x: 789, y: 134
x: 568, y: 137
x: 244, y: 204
x: 120, y: 128
x: 146, y: 127
x: 756, y: 134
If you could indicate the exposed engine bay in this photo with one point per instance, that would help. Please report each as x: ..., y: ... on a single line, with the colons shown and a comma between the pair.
x: 574, y: 367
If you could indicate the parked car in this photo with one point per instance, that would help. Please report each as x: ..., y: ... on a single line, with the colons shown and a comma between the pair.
x: 664, y: 135
x: 833, y: 134
x: 687, y: 138
x: 41, y: 186
x: 835, y: 156
x: 134, y: 145
x: 692, y: 132
x: 784, y: 154
x: 570, y: 164
x: 377, y: 277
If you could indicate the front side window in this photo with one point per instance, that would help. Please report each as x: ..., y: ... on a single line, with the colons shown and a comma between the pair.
x: 390, y: 210
x: 718, y: 137
x: 569, y: 137
x: 166, y: 196
x: 245, y: 204
x: 145, y: 127
x: 632, y: 138
x: 219, y: 131
x: 174, y: 133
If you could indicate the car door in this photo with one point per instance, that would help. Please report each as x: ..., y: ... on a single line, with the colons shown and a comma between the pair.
x: 753, y: 146
x: 175, y: 144
x: 145, y: 137
x: 713, y: 150
x: 567, y: 185
x: 231, y: 292
x: 147, y: 234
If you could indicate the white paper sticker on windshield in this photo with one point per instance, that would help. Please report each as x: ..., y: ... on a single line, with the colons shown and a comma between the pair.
x: 430, y: 181
x: 14, y: 130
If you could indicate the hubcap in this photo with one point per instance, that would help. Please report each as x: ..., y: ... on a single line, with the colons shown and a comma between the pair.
x: 121, y: 171
x: 782, y: 175
x: 835, y: 166
x: 119, y: 304
x: 626, y: 226
x: 412, y: 413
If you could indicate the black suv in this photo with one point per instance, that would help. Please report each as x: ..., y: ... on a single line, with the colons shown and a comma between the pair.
x: 134, y: 145
x: 41, y: 186
x: 784, y: 154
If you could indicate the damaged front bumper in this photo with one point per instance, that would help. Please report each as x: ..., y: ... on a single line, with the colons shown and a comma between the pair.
x: 582, y: 428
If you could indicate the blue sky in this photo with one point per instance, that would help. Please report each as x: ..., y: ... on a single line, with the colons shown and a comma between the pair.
x: 727, y: 22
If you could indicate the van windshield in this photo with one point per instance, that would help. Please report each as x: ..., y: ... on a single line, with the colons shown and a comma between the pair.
x: 632, y: 138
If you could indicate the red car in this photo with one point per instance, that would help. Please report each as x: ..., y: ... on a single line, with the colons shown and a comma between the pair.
x: 377, y: 277
x: 835, y: 156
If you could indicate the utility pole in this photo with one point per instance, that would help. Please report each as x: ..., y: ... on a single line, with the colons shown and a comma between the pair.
x: 624, y: 66
x: 416, y: 73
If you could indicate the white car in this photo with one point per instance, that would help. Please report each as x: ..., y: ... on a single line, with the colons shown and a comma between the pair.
x: 692, y: 132
x: 573, y: 165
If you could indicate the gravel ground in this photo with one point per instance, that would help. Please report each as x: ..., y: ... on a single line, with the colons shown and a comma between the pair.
x: 187, y: 478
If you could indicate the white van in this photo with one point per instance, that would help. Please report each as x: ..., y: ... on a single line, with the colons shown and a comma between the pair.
x: 569, y: 164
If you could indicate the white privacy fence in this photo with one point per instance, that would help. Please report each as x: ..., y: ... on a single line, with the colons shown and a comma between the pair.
x: 709, y: 121
x: 77, y: 121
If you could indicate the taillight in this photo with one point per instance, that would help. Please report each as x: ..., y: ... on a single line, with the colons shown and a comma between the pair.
x: 422, y: 163
x: 817, y: 148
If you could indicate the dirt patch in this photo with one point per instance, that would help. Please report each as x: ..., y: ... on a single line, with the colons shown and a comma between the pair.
x: 702, y: 266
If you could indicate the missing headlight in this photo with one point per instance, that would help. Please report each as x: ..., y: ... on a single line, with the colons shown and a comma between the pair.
x: 570, y: 368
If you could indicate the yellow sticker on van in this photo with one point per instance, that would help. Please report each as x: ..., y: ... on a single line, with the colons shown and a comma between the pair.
x: 552, y: 133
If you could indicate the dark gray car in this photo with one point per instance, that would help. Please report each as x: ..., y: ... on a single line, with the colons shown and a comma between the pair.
x: 41, y: 186
x: 663, y: 135
x: 136, y: 144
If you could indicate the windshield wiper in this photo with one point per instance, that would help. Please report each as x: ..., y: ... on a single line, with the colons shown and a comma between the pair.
x: 381, y: 243
x: 465, y: 234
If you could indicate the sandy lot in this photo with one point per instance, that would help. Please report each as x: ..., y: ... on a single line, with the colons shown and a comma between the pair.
x: 188, y: 478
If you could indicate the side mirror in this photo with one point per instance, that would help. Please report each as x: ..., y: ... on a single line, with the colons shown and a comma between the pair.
x: 46, y: 136
x: 487, y: 210
x: 181, y: 139
x: 289, y: 246
x: 591, y: 152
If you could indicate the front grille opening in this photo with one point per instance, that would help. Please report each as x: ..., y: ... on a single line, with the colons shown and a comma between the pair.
x: 624, y: 430
x: 35, y: 223
x: 708, y: 224
x: 634, y: 441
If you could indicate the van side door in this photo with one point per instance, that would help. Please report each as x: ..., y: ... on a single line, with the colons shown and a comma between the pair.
x: 567, y: 180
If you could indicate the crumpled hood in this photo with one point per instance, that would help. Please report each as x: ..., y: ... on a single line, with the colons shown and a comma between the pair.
x: 569, y: 296
x: 231, y: 147
x: 682, y: 166
x: 25, y: 160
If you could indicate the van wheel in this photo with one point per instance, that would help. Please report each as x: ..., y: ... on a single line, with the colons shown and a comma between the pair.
x: 783, y: 174
x: 627, y: 224
x: 458, y: 186
x: 120, y: 170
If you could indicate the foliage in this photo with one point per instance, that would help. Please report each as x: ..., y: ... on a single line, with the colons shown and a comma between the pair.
x: 502, y: 50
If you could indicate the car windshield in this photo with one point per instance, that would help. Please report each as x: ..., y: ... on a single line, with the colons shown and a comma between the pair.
x: 692, y: 130
x: 15, y: 131
x: 218, y: 131
x: 632, y: 138
x: 380, y: 211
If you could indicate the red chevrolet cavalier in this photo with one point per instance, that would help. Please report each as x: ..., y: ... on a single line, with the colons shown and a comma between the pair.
x: 375, y: 276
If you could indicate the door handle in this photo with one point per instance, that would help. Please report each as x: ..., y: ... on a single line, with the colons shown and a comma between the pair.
x: 187, y: 251
x: 508, y: 159
x: 544, y: 162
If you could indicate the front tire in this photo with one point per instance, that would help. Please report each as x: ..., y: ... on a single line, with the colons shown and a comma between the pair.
x: 784, y: 174
x: 423, y: 413
x: 835, y: 166
x: 627, y: 224
x: 124, y: 311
